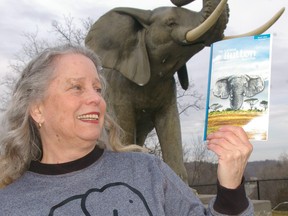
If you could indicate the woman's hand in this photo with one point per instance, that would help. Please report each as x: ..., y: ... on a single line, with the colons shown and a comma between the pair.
x: 231, y: 145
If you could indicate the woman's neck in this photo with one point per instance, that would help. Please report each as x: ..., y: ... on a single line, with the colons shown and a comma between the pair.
x: 58, y: 154
x: 63, y: 168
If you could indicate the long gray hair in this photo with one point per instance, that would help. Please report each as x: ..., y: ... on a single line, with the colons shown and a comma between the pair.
x: 20, y: 140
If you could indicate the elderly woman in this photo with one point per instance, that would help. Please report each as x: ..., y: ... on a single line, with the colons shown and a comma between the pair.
x: 62, y: 155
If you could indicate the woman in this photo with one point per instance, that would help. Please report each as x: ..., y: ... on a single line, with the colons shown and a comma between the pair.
x: 60, y: 151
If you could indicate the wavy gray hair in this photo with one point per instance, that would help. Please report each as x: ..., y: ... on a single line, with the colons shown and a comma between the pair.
x: 20, y: 140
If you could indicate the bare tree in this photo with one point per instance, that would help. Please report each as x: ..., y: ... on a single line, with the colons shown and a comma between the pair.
x: 152, y: 143
x: 70, y: 32
x: 199, y: 158
x: 32, y: 46
x: 64, y: 32
x: 189, y: 98
x: 275, y: 191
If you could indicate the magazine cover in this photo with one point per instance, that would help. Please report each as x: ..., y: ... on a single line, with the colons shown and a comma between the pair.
x: 239, y: 85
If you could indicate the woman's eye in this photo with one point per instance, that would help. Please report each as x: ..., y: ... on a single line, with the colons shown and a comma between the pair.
x: 77, y: 87
x: 98, y: 90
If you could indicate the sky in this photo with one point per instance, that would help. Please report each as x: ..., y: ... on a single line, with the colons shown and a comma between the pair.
x: 27, y: 16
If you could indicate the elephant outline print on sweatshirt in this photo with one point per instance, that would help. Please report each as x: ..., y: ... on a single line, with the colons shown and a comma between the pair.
x: 112, y: 192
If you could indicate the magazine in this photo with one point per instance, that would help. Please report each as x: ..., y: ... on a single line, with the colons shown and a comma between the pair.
x: 239, y: 85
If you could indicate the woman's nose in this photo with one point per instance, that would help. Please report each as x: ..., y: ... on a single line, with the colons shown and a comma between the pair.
x: 93, y: 96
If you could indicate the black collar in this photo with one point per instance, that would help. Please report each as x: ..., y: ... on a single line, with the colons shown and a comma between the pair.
x: 63, y: 168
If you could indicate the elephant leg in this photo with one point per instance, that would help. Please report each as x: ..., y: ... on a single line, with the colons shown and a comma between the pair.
x: 125, y: 117
x: 167, y: 124
x: 141, y: 134
x: 143, y: 126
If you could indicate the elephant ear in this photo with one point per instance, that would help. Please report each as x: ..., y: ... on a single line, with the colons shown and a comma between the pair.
x: 119, y: 39
x: 254, y: 86
x: 221, y: 88
x: 183, y: 77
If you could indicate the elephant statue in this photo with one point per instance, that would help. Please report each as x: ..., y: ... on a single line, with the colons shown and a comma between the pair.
x: 238, y: 87
x: 141, y: 50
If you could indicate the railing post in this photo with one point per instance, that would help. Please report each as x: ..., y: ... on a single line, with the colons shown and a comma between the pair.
x: 258, y: 190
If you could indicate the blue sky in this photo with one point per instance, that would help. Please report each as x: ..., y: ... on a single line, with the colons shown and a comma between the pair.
x: 20, y: 16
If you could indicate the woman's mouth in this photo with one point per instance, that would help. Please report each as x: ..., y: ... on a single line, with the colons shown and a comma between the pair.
x: 89, y: 117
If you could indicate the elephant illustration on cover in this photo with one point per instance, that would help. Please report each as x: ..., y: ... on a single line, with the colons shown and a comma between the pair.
x: 141, y: 50
x: 237, y: 87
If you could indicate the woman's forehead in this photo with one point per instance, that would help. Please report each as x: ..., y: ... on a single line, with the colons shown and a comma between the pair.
x: 75, y: 66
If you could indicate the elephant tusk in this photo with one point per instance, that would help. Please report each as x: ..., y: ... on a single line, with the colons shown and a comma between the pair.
x: 262, y: 28
x: 194, y: 34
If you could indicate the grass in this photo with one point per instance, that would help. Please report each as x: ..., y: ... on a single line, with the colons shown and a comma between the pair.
x: 234, y: 117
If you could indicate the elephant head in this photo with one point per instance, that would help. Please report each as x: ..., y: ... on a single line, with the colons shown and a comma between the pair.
x: 238, y: 87
x: 151, y: 45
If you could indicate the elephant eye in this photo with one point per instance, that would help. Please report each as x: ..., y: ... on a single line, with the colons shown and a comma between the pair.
x: 171, y: 23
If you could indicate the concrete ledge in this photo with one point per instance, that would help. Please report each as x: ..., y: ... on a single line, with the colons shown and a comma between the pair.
x: 262, y: 207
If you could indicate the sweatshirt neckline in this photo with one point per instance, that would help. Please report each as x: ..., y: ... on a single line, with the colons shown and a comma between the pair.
x: 64, y: 168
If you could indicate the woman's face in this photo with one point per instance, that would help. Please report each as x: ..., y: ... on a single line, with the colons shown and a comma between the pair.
x: 73, y: 110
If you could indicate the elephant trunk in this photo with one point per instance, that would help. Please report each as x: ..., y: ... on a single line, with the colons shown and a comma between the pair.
x: 209, y: 19
x: 236, y: 100
x: 237, y: 92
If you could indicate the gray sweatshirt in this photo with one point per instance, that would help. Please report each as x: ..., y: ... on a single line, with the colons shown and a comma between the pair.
x: 106, y: 183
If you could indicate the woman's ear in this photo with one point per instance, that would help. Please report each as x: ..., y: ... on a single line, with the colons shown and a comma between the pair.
x: 36, y: 113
